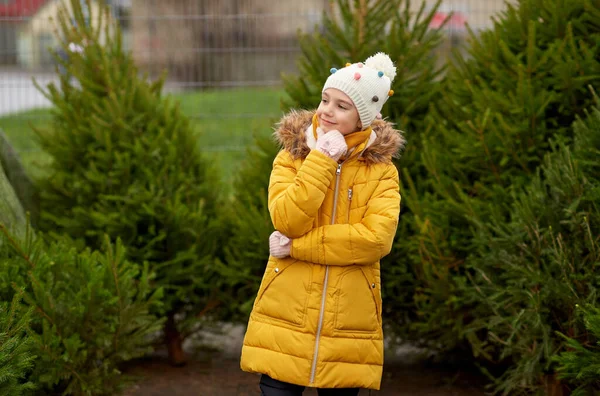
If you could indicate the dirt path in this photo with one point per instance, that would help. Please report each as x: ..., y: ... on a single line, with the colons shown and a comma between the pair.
x: 224, y: 378
x: 217, y: 373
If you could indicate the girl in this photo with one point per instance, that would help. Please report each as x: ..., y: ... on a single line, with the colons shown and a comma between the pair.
x: 334, y: 201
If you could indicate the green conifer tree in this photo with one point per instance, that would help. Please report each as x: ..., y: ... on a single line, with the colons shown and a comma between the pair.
x: 520, y: 86
x: 90, y: 311
x: 126, y: 162
x: 528, y: 273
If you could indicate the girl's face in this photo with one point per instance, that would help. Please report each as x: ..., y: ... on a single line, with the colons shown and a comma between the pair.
x: 337, y: 112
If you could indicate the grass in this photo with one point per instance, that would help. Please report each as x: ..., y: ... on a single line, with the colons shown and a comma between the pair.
x: 226, y: 122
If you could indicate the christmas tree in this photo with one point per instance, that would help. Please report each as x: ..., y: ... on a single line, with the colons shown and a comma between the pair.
x: 89, y: 312
x: 126, y: 162
x: 520, y: 87
x: 528, y: 274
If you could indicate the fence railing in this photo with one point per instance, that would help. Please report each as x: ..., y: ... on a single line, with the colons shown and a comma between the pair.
x: 203, y: 44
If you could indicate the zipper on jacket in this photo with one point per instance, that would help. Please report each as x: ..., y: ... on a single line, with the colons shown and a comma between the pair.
x: 350, y: 192
x: 324, y: 293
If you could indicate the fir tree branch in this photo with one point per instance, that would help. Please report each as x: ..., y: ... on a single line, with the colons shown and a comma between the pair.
x: 35, y: 305
x: 15, y: 245
x: 210, y: 305
x: 479, y: 132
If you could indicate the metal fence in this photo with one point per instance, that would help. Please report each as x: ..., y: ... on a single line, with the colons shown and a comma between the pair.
x: 203, y: 44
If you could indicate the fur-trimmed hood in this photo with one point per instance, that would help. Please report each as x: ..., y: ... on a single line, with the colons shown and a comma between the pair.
x: 386, y: 142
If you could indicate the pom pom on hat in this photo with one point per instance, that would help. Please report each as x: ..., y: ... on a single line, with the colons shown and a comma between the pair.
x: 383, y: 63
x: 367, y: 84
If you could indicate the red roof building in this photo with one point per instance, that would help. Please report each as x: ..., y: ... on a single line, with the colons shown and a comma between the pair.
x: 20, y: 8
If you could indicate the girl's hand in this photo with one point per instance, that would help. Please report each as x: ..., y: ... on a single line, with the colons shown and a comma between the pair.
x: 279, y: 245
x: 332, y: 144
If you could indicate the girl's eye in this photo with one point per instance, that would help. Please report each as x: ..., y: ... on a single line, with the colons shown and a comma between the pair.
x: 324, y: 100
x: 342, y: 107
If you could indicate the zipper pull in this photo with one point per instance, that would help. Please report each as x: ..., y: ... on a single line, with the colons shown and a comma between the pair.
x: 349, y: 194
x: 339, y: 170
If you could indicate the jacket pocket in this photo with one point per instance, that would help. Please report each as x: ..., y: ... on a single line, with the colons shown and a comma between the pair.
x: 357, y: 309
x: 284, y: 292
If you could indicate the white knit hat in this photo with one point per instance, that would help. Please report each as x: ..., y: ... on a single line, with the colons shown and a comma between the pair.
x: 367, y: 84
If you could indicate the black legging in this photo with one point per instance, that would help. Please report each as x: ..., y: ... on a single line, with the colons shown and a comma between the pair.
x: 273, y: 387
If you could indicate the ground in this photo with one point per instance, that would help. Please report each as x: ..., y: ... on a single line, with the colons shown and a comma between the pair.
x: 224, y: 378
x: 217, y: 373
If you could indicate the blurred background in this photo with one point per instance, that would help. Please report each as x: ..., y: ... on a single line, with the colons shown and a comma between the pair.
x: 202, y: 43
x: 224, y: 58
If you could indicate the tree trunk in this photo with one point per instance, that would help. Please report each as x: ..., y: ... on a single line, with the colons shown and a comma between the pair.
x: 554, y: 387
x: 174, y: 342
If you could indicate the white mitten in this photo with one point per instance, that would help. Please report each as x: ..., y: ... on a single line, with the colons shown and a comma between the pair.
x: 279, y: 245
x: 332, y: 144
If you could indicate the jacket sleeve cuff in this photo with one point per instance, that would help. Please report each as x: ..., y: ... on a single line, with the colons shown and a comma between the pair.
x: 294, y: 251
x: 309, y: 247
x: 321, y: 157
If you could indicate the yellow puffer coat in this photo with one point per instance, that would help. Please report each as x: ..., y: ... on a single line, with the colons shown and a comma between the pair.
x: 316, y: 320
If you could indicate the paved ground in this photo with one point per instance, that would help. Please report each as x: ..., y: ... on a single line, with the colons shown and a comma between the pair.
x: 17, y: 91
x: 217, y: 373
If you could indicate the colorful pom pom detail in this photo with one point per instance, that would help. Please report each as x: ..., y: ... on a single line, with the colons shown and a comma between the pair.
x: 391, y: 93
x: 379, y: 116
x: 333, y: 70
x: 357, y: 76
x: 348, y: 64
x: 382, y: 62
x: 360, y: 64
x: 380, y: 74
